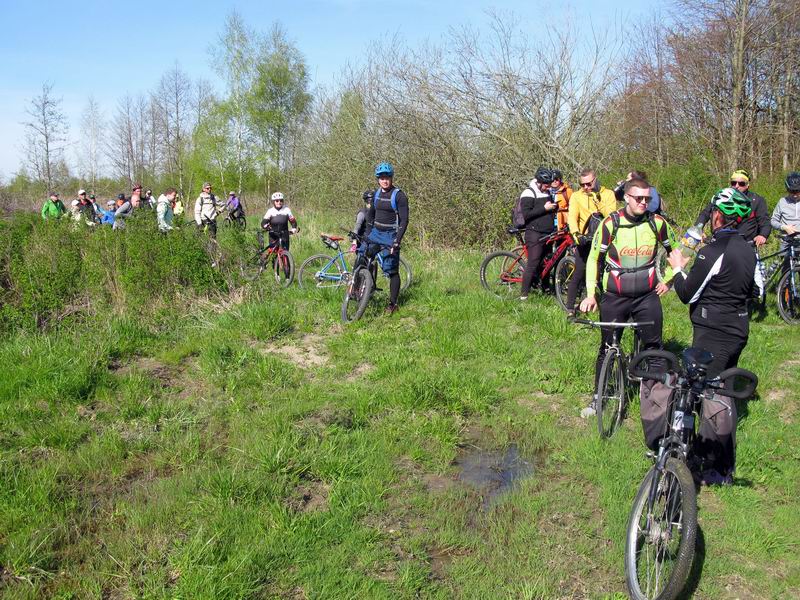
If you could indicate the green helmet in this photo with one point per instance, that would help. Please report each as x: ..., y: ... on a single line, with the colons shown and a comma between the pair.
x: 733, y: 203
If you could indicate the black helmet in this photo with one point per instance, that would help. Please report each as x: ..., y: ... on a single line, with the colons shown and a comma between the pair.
x: 557, y: 175
x: 367, y: 196
x: 544, y: 175
x: 793, y: 182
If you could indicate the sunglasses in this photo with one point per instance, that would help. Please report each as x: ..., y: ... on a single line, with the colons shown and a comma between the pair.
x: 641, y: 199
x: 739, y: 184
x: 587, y: 183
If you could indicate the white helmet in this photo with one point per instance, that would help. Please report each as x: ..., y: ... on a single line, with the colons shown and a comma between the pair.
x: 277, y: 196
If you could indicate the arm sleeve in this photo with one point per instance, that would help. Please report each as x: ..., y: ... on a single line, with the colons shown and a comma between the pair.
x: 704, y: 215
x: 762, y: 217
x: 370, y: 215
x: 360, y: 221
x: 690, y: 287
x: 594, y: 259
x: 402, y: 215
x: 777, y: 216
x: 292, y: 218
x: 44, y: 210
x: 197, y: 209
x: 572, y: 217
x: 608, y: 203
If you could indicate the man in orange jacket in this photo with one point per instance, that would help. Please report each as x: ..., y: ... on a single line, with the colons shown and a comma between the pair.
x: 561, y: 194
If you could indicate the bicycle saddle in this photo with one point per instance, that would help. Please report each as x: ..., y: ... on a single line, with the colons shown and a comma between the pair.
x: 333, y: 238
x: 512, y: 230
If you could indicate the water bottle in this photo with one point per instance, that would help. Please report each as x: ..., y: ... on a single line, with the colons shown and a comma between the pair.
x: 691, y: 240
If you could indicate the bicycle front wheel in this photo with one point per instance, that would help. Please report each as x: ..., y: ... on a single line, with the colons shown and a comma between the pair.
x: 283, y: 268
x: 357, y: 295
x: 660, y: 540
x: 404, y: 270
x: 501, y: 274
x: 789, y: 297
x: 252, y: 268
x: 565, y: 271
x: 320, y: 271
x: 610, y: 393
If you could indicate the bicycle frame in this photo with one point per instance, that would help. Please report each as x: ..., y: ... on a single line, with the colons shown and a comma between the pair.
x: 561, y: 241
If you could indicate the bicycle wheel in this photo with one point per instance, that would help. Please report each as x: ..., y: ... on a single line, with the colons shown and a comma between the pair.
x: 789, y: 297
x: 406, y: 276
x: 503, y: 281
x: 660, y: 540
x: 610, y: 393
x: 565, y: 269
x: 252, y: 268
x: 283, y: 268
x: 321, y: 271
x: 357, y: 295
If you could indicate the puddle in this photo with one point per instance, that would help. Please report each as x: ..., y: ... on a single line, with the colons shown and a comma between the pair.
x: 493, y: 473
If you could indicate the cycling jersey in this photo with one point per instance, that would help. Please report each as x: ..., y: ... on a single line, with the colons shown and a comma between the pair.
x: 382, y: 216
x: 756, y: 224
x: 630, y: 254
x: 278, y: 219
x: 787, y: 212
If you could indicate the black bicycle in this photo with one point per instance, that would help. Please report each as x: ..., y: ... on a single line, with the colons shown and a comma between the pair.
x: 662, y: 527
x: 614, y: 383
x: 781, y: 271
x: 362, y: 282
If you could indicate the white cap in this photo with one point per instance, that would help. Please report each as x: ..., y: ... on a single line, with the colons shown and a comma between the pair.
x: 81, y: 192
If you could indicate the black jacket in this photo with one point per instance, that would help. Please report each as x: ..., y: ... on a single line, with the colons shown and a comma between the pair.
x: 756, y: 224
x: 537, y: 217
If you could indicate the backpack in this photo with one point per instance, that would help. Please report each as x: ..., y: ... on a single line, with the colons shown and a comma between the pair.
x: 591, y: 226
x: 393, y: 200
x: 517, y: 218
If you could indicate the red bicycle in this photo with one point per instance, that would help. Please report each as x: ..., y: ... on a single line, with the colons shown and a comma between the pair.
x: 501, y: 272
x: 273, y: 258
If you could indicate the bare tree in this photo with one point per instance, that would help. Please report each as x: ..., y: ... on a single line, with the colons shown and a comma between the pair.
x: 174, y: 98
x: 89, y: 150
x: 46, y: 135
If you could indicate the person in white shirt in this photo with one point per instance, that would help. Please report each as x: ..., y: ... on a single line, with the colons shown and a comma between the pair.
x: 207, y: 208
x: 279, y: 221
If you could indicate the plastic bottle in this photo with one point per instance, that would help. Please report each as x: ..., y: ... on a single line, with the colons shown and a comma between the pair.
x: 691, y: 240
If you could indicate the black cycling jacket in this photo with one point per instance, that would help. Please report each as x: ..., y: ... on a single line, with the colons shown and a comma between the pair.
x: 756, y: 224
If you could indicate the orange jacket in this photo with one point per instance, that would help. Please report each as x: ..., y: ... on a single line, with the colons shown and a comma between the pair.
x: 563, y: 195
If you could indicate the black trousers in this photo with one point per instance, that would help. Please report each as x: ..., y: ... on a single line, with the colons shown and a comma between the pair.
x: 535, y: 247
x: 581, y: 256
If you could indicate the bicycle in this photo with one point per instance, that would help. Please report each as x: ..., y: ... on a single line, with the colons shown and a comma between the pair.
x: 781, y: 270
x: 612, y: 390
x: 322, y: 271
x: 501, y: 272
x: 235, y: 219
x: 662, y: 527
x: 361, y: 286
x: 273, y: 257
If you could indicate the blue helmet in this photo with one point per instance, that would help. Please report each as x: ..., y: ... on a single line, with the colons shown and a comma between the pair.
x: 384, y: 168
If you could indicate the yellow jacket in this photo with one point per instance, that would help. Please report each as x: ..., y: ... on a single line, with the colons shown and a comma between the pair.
x: 582, y: 204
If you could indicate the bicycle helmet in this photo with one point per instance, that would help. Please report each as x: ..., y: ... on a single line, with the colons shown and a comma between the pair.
x: 557, y: 175
x: 367, y: 196
x: 544, y: 175
x: 732, y: 203
x: 277, y: 196
x: 231, y: 193
x: 793, y: 182
x: 384, y: 168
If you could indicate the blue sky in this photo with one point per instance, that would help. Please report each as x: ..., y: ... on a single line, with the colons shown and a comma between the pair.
x: 108, y: 49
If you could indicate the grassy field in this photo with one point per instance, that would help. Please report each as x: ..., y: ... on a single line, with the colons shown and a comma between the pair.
x: 251, y: 446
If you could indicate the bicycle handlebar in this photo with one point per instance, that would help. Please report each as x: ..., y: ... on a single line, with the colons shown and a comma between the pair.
x: 614, y: 324
x: 719, y: 383
x: 671, y: 359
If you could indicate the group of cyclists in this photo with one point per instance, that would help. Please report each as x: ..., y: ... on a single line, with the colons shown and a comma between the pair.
x: 615, y: 257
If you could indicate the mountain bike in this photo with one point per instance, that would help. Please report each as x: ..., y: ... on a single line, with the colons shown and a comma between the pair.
x: 361, y: 286
x: 781, y: 271
x: 236, y: 219
x: 501, y: 272
x: 662, y: 527
x: 322, y: 271
x: 272, y: 258
x: 613, y: 388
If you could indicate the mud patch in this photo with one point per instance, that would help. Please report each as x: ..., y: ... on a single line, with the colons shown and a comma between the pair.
x: 146, y: 365
x: 306, y: 352
x: 360, y: 372
x: 441, y: 558
x: 309, y: 497
x: 492, y: 473
x: 327, y: 416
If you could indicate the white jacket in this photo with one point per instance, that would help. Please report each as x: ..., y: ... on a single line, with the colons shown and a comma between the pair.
x: 207, y: 207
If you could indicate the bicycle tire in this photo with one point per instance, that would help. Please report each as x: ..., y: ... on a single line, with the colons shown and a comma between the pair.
x: 564, y: 272
x: 405, y: 277
x: 652, y: 545
x: 610, y: 393
x: 357, y: 295
x: 321, y: 271
x: 497, y: 278
x: 283, y: 268
x: 252, y: 268
x: 788, y: 303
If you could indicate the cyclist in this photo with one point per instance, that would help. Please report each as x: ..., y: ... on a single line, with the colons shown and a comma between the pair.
x: 588, y: 207
x: 717, y: 289
x: 755, y: 228
x: 149, y: 201
x: 786, y: 216
x: 86, y: 209
x: 386, y: 223
x: 234, y: 206
x: 206, y: 209
x: 277, y: 220
x: 561, y: 193
x: 164, y: 212
x: 656, y: 203
x: 107, y: 214
x: 360, y: 226
x: 126, y: 210
x: 53, y: 207
x: 628, y: 240
x: 120, y: 200
x: 537, y: 209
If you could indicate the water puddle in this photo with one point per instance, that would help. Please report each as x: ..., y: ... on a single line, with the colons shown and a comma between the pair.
x: 493, y: 473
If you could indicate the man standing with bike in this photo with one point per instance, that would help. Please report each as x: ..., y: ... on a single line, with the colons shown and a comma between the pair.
x: 386, y: 223
x: 717, y: 289
x: 756, y: 227
x: 206, y: 210
x: 625, y: 245
x: 537, y: 208
x: 587, y: 209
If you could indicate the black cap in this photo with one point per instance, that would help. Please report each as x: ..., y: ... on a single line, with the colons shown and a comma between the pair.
x: 120, y: 196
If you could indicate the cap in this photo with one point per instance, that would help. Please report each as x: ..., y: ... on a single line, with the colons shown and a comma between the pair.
x: 149, y: 192
x: 75, y: 203
x: 231, y: 193
x: 54, y: 194
x: 81, y: 192
x: 120, y: 196
x: 110, y: 203
x: 206, y: 184
x: 92, y: 197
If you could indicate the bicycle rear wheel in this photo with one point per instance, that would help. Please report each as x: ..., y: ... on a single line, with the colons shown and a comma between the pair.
x: 404, y: 270
x: 320, y: 272
x: 252, y: 268
x: 565, y: 270
x: 789, y: 297
x: 357, y: 295
x: 283, y: 268
x: 501, y: 274
x: 660, y: 539
x: 610, y: 393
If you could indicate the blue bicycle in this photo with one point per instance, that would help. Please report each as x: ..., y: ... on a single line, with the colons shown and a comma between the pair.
x: 322, y: 271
